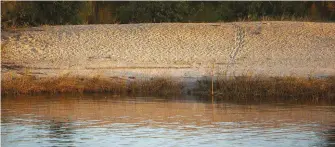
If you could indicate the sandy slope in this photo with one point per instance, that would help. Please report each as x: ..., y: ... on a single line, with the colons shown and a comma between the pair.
x: 187, y: 50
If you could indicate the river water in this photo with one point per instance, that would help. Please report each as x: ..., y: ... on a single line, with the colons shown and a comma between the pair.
x: 105, y: 120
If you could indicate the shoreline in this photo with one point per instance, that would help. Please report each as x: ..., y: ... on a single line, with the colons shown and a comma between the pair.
x: 168, y: 55
x: 241, y: 88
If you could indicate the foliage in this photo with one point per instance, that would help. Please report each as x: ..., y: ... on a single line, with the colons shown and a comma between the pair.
x: 39, y: 13
x: 153, y: 12
x: 80, y: 12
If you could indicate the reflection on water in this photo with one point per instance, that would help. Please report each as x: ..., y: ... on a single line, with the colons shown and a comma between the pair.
x: 144, y: 121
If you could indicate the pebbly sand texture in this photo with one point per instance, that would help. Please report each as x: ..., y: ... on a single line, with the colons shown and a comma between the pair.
x: 172, y: 49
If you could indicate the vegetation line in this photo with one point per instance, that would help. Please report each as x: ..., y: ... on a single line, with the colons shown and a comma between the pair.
x: 26, y: 84
x: 239, y: 88
x: 265, y: 88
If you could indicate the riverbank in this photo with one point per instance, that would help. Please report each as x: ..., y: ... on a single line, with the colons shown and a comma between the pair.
x: 273, y: 48
x: 137, y: 58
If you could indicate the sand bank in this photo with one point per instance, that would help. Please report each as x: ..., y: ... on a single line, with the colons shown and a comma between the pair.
x: 185, y: 50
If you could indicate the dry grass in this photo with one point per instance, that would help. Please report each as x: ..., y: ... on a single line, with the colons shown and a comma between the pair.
x: 14, y: 85
x: 236, y: 88
x: 161, y: 86
x: 262, y: 89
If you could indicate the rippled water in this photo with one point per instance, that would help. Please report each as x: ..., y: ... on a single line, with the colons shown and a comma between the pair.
x: 147, y: 121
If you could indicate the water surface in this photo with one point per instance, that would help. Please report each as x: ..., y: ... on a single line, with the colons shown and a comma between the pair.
x: 103, y: 120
